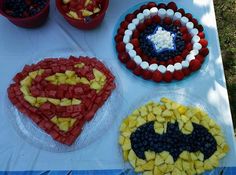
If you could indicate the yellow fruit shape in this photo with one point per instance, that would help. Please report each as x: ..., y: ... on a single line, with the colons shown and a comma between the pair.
x: 169, y: 160
x: 126, y: 145
x: 54, y: 101
x: 148, y: 173
x: 151, y: 117
x: 65, y: 102
x: 159, y: 160
x: 25, y: 90
x: 33, y: 74
x: 150, y: 155
x: 26, y: 82
x: 149, y: 165
x: 184, y: 155
x: 76, y: 101
x: 140, y: 121
x: 86, y: 12
x: 30, y: 99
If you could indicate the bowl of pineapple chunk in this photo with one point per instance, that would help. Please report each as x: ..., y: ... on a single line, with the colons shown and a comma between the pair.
x: 83, y: 14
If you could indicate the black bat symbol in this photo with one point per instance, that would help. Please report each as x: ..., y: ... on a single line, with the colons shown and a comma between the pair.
x: 173, y: 141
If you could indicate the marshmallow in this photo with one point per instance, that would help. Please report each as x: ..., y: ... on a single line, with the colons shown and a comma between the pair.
x: 146, y: 13
x: 170, y: 13
x: 131, y: 26
x: 177, y: 16
x: 132, y: 53
x: 190, y: 57
x: 184, y: 20
x: 170, y: 68
x: 185, y: 64
x: 135, y: 21
x: 162, y: 69
x: 126, y: 39
x: 144, y: 65
x: 178, y: 66
x: 162, y: 13
x: 194, y: 31
x: 153, y: 67
x: 140, y: 17
x: 129, y: 47
x: 197, y: 46
x: 189, y: 25
x: 194, y: 52
x: 128, y: 32
x: 195, y: 39
x: 137, y: 60
x: 154, y: 11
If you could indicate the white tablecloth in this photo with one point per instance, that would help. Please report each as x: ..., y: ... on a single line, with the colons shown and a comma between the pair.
x: 19, y: 46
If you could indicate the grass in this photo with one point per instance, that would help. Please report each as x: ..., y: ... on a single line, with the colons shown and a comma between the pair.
x: 225, y: 15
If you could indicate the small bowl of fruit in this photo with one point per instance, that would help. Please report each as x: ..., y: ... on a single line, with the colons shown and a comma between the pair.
x: 83, y: 14
x: 25, y: 13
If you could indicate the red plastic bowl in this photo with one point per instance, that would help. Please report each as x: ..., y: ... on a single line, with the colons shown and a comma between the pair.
x: 28, y: 22
x: 81, y: 24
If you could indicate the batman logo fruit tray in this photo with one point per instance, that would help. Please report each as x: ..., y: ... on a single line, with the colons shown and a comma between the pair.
x: 170, y: 138
x: 60, y: 95
x: 160, y: 42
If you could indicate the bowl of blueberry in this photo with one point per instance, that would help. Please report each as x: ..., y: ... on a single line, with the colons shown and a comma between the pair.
x: 25, y: 13
x: 83, y: 14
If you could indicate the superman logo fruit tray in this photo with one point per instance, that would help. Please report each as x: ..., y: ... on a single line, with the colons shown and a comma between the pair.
x: 160, y: 42
x: 170, y: 138
x: 60, y: 95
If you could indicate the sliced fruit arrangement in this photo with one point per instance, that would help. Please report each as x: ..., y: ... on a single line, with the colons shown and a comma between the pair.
x: 160, y: 42
x: 24, y: 8
x: 60, y: 95
x: 82, y: 9
x: 170, y: 138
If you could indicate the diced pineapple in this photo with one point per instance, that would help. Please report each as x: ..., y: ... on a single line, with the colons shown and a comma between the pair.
x: 26, y: 82
x: 55, y: 120
x: 138, y: 169
x: 159, y: 160
x: 121, y: 140
x: 149, y: 165
x: 25, y: 90
x: 63, y: 119
x: 33, y: 74
x: 96, y: 10
x: 148, y: 173
x: 70, y: 73
x: 62, y: 79
x: 126, y: 145
x: 76, y: 101
x: 84, y: 80
x: 64, y: 126
x: 72, y: 122
x: 54, y: 101
x: 41, y: 100
x: 182, y: 109
x: 86, y: 12
x: 150, y: 155
x: 188, y: 126
x: 140, y: 162
x: 132, y: 156
x: 30, y: 99
x: 167, y: 113
x: 80, y: 65
x: 51, y: 78
x: 184, y: 155
x: 157, y: 111
x: 159, y: 128
x: 140, y: 121
x: 66, y: 1
x: 65, y: 102
x: 73, y: 14
x: 169, y: 160
x: 151, y: 117
x: 95, y: 85
x: 125, y: 155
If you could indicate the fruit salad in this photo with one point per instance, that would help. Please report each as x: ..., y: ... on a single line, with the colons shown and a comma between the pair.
x: 82, y: 9
x: 62, y: 95
x: 24, y: 8
x: 170, y: 138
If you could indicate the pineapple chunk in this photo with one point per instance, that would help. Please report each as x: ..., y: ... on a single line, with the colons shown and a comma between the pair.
x: 149, y: 165
x: 138, y: 169
x: 97, y: 74
x: 25, y: 90
x: 80, y: 65
x: 72, y: 122
x: 140, y: 162
x: 51, y: 78
x: 55, y: 120
x: 159, y: 160
x: 169, y: 160
x: 70, y: 73
x: 30, y: 99
x: 184, y: 155
x: 147, y: 173
x: 126, y: 145
x: 66, y: 1
x: 95, y: 85
x: 73, y: 14
x: 96, y: 10
x: 121, y: 140
x: 64, y: 126
x: 86, y: 13
x: 41, y: 100
x: 151, y: 117
x: 140, y: 121
x: 132, y: 157
x: 157, y: 111
x: 33, y: 74
x: 26, y: 82
x: 76, y: 101
x: 150, y: 155
x: 84, y: 80
x: 65, y: 102
x: 54, y: 101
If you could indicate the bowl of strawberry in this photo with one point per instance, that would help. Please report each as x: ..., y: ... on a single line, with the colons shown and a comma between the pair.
x: 25, y: 13
x: 83, y: 14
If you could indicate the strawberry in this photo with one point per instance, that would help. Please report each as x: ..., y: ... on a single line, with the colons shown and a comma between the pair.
x: 177, y: 23
x: 178, y: 59
x: 148, y: 21
x: 170, y: 62
x: 161, y: 5
x: 156, y: 19
x: 200, y: 58
x: 147, y: 74
x: 167, y: 77
x: 167, y: 20
x: 151, y: 4
x: 189, y: 46
x: 195, y: 22
x: 121, y: 31
x: 135, y: 42
x: 183, y: 29
x: 129, y: 17
x: 157, y: 76
x: 172, y: 6
x: 178, y: 75
x: 141, y: 27
x: 181, y: 11
x: 143, y: 7
x: 201, y: 35
x: 135, y: 33
x: 186, y: 71
x: 138, y: 71
x: 200, y: 28
x: 136, y: 12
x: 139, y: 51
x: 131, y: 64
x: 187, y: 37
x: 120, y: 47
x: 123, y: 57
x: 204, y: 51
x: 194, y: 65
x: 189, y: 16
x: 124, y: 25
x: 203, y: 42
x: 184, y: 53
x: 118, y: 38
